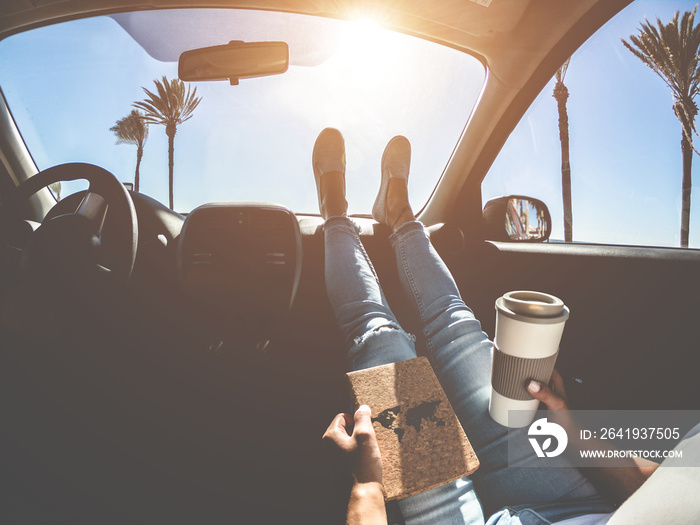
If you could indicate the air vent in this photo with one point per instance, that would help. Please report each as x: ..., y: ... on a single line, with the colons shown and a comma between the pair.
x: 270, y: 227
x: 240, y: 260
x: 276, y: 259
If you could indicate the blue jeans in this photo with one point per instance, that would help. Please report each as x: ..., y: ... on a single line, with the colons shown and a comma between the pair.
x: 460, y: 354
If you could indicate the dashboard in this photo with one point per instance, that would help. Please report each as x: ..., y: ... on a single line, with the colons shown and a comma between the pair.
x: 240, y: 265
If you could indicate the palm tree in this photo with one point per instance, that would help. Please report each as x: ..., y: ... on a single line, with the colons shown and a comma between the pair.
x: 671, y: 51
x: 132, y: 129
x: 172, y: 106
x: 561, y: 94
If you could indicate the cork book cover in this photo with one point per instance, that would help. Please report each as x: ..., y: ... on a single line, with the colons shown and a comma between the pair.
x: 421, y: 440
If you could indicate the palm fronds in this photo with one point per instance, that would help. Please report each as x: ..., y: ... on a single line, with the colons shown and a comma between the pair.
x: 172, y: 105
x: 131, y: 129
x: 672, y: 51
x: 561, y: 72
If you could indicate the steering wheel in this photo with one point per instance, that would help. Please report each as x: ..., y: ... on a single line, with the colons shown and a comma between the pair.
x: 71, y: 244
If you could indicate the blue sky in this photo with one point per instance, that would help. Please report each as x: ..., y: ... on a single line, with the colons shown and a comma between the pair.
x: 253, y: 142
x: 624, y: 140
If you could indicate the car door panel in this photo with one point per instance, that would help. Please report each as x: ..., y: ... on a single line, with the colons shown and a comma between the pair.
x: 631, y: 339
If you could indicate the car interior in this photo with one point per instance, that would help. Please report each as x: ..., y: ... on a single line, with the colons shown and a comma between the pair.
x: 181, y: 366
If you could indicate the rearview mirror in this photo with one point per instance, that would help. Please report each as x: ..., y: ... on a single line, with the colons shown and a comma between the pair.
x: 517, y: 218
x: 234, y: 61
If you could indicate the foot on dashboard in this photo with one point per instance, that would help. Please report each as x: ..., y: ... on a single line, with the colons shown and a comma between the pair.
x: 391, y: 206
x: 328, y: 161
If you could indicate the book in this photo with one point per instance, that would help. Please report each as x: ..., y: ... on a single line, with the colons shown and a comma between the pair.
x: 420, y: 438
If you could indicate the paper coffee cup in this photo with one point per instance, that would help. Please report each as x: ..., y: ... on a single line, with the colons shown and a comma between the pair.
x: 529, y: 326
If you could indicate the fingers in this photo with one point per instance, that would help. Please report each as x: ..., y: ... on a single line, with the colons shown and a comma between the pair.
x: 340, y: 422
x: 557, y: 383
x: 337, y: 432
x: 551, y: 399
x: 360, y: 445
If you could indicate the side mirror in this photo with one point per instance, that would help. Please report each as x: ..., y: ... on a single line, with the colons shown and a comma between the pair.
x: 517, y: 218
x: 234, y: 61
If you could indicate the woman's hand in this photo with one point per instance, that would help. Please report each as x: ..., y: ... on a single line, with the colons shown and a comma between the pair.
x: 356, y: 438
x: 553, y: 396
x: 619, y: 482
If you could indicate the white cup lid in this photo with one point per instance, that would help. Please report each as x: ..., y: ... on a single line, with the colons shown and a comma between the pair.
x: 533, y: 304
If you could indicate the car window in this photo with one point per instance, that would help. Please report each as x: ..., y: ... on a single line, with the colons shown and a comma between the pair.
x: 624, y: 144
x: 68, y: 84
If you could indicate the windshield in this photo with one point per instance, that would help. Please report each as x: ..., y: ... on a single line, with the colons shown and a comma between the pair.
x: 69, y: 86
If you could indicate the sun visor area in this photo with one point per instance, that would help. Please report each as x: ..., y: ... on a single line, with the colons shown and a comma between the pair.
x: 165, y: 34
x: 472, y: 17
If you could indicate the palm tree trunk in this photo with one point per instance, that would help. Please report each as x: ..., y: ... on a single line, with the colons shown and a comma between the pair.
x: 561, y: 94
x: 137, y: 178
x: 170, y: 131
x: 687, y: 184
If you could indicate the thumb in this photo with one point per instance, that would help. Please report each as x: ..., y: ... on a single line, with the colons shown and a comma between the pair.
x: 363, y: 430
x: 545, y: 394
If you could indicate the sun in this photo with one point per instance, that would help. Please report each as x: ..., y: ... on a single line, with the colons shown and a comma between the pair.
x: 369, y: 48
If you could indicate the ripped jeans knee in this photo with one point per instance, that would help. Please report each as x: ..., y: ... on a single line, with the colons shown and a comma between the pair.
x: 380, y: 345
x: 389, y: 326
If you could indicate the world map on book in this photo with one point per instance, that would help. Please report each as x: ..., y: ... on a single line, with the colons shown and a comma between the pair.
x: 414, y: 417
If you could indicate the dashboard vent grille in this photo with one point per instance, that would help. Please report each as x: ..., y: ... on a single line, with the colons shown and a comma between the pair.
x: 269, y: 228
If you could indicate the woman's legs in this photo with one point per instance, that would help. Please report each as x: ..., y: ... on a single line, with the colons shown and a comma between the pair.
x: 373, y: 335
x: 371, y: 330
